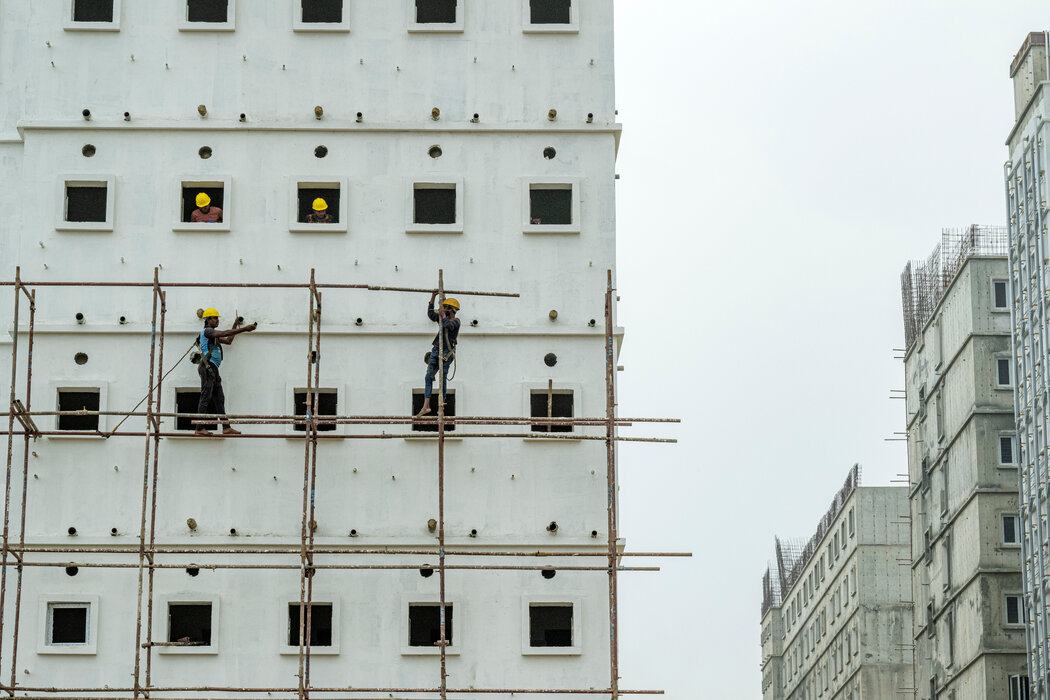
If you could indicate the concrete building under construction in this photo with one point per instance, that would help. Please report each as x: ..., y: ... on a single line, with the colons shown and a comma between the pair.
x: 337, y: 547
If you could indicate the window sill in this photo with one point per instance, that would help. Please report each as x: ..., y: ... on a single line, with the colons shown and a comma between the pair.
x: 314, y: 651
x: 190, y: 227
x: 432, y: 437
x: 434, y: 228
x: 85, y: 226
x: 211, y: 650
x: 71, y: 650
x: 429, y: 651
x: 93, y: 436
x: 317, y: 228
x: 71, y: 26
x: 547, y: 229
x: 552, y: 651
x: 320, y: 28
x: 1012, y: 467
x: 573, y: 28
x: 186, y: 26
x: 436, y: 28
x: 568, y: 438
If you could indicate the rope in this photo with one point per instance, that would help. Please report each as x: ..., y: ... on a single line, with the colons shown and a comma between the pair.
x: 110, y: 433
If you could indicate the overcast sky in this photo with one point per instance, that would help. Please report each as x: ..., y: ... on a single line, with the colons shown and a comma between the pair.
x: 779, y: 165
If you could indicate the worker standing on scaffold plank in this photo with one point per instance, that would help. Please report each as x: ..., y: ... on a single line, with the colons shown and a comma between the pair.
x: 449, y: 327
x: 211, y: 341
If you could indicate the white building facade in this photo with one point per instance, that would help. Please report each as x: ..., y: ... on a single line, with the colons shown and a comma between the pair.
x: 471, y: 137
x: 1026, y: 195
x: 835, y: 615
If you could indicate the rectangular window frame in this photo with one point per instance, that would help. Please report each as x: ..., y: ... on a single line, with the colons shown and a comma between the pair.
x: 571, y: 183
x: 573, y: 27
x: 341, y: 391
x: 458, y: 626
x: 85, y: 180
x: 576, y: 601
x: 185, y: 25
x: 999, y: 363
x: 1020, y: 610
x: 298, y: 25
x: 44, y: 606
x: 455, y: 183
x: 1019, y: 687
x: 175, y: 409
x: 160, y: 622
x: 1012, y: 437
x: 577, y: 403
x: 1006, y: 294
x: 1017, y: 529
x: 434, y: 27
x: 56, y: 385
x: 318, y: 598
x: 223, y: 181
x: 69, y: 25
x: 321, y: 181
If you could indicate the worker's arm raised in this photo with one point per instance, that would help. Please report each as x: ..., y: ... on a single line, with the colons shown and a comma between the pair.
x: 226, y: 337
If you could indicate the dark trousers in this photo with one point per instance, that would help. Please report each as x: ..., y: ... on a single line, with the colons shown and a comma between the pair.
x: 212, y: 400
x: 432, y: 370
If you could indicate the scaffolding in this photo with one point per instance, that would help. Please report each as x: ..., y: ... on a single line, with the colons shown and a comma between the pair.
x: 924, y: 282
x: 16, y: 552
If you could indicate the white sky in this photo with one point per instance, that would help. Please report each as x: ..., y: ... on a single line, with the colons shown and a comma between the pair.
x: 780, y: 163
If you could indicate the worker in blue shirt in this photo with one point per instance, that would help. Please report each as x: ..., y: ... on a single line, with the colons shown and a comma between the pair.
x: 445, y: 316
x: 211, y: 341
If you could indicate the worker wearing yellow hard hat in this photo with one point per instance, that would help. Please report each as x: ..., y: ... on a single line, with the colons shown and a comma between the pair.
x: 210, y: 341
x: 319, y: 213
x: 443, y: 352
x: 205, y: 213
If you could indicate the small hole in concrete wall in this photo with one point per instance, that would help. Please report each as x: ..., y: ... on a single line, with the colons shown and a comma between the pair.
x: 321, y: 151
x: 205, y: 152
x: 233, y: 531
x: 123, y: 320
x: 353, y: 533
x: 550, y: 359
x: 434, y: 152
x: 553, y: 527
x: 591, y: 323
x: 474, y: 323
x: 86, y: 113
x: 360, y: 321
x: 244, y: 117
x: 127, y: 116
x: 88, y: 150
x: 72, y: 571
x: 80, y: 358
x: 474, y: 533
x: 193, y: 571
x: 548, y: 573
x: 113, y: 531
x: 594, y: 533
x: 79, y: 317
x: 426, y: 571
x: 72, y: 531
x: 549, y: 152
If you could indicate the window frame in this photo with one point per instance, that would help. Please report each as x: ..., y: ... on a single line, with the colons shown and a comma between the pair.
x: 577, y: 401
x: 161, y: 622
x: 1020, y: 610
x: 540, y: 600
x: 1006, y: 293
x: 321, y: 181
x: 44, y: 607
x: 298, y: 25
x: 551, y: 183
x: 455, y: 183
x: 223, y: 181
x: 409, y: 599
x: 573, y: 27
x: 415, y: 27
x: 175, y: 391
x: 185, y: 25
x: 54, y: 386
x: 1017, y: 529
x: 1012, y: 437
x: 319, y: 598
x: 1010, y: 371
x: 69, y: 25
x: 341, y: 392
x: 86, y: 180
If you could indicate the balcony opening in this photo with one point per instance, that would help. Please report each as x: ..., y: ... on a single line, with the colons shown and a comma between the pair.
x: 188, y: 401
x: 550, y: 625
x: 550, y: 204
x: 327, y: 403
x: 417, y: 406
x: 78, y: 400
x: 190, y: 623
x: 550, y: 11
x: 86, y: 202
x: 424, y: 624
x: 93, y: 10
x: 435, y: 204
x: 320, y: 624
x: 207, y: 10
x: 435, y: 11
x: 556, y: 403
x: 322, y: 11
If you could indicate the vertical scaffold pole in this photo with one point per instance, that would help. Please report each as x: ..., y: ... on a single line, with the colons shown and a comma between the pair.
x: 441, y: 487
x: 10, y: 453
x: 610, y: 456
x: 312, y: 525
x: 305, y: 556
x: 151, y: 551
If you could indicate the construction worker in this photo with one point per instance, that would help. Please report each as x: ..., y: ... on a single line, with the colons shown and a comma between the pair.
x: 320, y: 214
x: 211, y: 341
x: 205, y: 213
x: 449, y: 328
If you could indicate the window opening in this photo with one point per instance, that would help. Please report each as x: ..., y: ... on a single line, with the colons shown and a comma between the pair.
x: 1019, y: 688
x: 417, y: 406
x: 1006, y: 449
x: 1013, y: 610
x: 67, y: 624
x: 550, y: 625
x: 424, y: 624
x: 207, y: 10
x: 189, y: 200
x: 78, y: 400
x: 550, y: 11
x: 435, y: 204
x: 327, y: 402
x: 307, y: 198
x: 1002, y: 371
x: 551, y: 403
x: 320, y: 624
x: 999, y: 294
x: 550, y: 205
x: 92, y: 10
x: 322, y: 10
x: 86, y: 202
x: 1010, y: 534
x: 435, y: 11
x: 190, y: 622
x: 188, y: 401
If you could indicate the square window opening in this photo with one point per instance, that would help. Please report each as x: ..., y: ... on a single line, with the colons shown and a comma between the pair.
x: 550, y: 206
x: 557, y: 404
x: 67, y: 624
x: 189, y: 203
x: 190, y: 622
x: 1002, y: 371
x: 550, y: 11
x: 307, y: 195
x: 434, y: 204
x: 435, y: 11
x: 1006, y: 449
x: 550, y: 625
x: 78, y: 400
x: 320, y: 624
x: 318, y: 11
x: 188, y: 401
x: 86, y: 202
x: 327, y: 404
x: 207, y: 10
x: 417, y: 406
x: 424, y: 624
x: 999, y: 294
x: 92, y: 10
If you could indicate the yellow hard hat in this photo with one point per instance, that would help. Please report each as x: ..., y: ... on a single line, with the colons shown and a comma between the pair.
x: 210, y: 312
x: 451, y: 302
x: 319, y: 204
x: 203, y: 200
